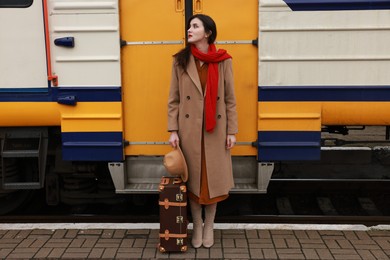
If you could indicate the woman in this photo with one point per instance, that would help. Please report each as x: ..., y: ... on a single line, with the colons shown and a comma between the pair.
x: 202, y: 117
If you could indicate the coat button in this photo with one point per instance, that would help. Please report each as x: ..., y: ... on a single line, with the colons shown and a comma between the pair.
x: 217, y: 98
x: 187, y: 115
x: 188, y: 97
x: 219, y: 116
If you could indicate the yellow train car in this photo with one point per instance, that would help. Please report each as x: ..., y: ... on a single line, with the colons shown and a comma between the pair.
x: 84, y: 86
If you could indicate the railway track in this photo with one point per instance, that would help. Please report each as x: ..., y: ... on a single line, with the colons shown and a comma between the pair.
x: 287, y: 201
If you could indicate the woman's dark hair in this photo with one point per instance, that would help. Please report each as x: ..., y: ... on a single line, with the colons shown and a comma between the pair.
x: 183, y: 56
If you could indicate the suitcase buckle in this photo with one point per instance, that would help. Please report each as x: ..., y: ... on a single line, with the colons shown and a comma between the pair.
x: 179, y: 219
x: 179, y: 241
x: 179, y: 197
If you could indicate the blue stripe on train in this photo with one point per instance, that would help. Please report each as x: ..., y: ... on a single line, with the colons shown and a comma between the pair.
x: 59, y: 94
x: 289, y: 145
x: 324, y: 93
x: 335, y: 5
x: 92, y: 146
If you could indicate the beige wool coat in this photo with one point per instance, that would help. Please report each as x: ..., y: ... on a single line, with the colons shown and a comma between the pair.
x: 185, y: 115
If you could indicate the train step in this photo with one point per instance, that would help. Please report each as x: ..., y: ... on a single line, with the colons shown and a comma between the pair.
x: 19, y: 148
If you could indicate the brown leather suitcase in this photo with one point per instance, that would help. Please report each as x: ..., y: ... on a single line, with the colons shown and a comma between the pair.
x: 173, y: 215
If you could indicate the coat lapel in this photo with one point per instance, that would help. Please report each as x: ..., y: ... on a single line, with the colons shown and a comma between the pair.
x: 193, y: 73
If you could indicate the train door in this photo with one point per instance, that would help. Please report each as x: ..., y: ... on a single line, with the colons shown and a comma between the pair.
x: 21, y: 45
x: 151, y: 31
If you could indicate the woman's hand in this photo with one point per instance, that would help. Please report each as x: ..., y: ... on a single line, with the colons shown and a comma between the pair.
x: 174, y: 139
x: 230, y: 141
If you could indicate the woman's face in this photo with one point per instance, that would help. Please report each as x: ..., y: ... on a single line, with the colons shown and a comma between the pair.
x: 196, y: 32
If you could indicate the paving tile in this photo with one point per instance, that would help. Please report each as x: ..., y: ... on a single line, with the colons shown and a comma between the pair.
x: 256, y: 253
x: 323, y: 254
x: 313, y: 234
x: 96, y: 253
x: 310, y: 254
x: 56, y: 252
x: 251, y: 233
x: 366, y: 254
x: 74, y: 256
x: 10, y: 234
x: 293, y: 243
x: 127, y: 242
x: 129, y: 252
x: 301, y: 234
x: 90, y: 232
x: 23, y: 253
x: 379, y: 254
x: 107, y: 233
x: 149, y: 253
x: 20, y: 255
x: 120, y: 233
x: 39, y: 242
x: 270, y: 254
x: 279, y: 243
x: 43, y: 253
x: 282, y: 232
x: 364, y: 246
x: 260, y: 243
x: 331, y: 233
x: 216, y: 253
x: 26, y: 242
x: 8, y: 245
x: 362, y: 235
x: 23, y: 234
x: 109, y: 253
x: 350, y: 235
x: 42, y: 232
x: 331, y: 243
x: 228, y: 242
x: 72, y: 233
x: 139, y: 242
x: 241, y: 243
x: 233, y: 232
x: 202, y: 253
x: 77, y: 242
x: 60, y: 233
x: 89, y: 242
x: 4, y: 252
x: 345, y: 244
x: 264, y: 234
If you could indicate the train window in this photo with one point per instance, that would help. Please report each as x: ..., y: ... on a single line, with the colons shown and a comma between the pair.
x: 15, y: 3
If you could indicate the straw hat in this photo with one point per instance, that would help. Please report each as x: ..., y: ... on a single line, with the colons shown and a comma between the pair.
x: 175, y: 163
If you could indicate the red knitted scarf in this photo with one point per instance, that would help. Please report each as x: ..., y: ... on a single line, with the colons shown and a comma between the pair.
x: 212, y: 58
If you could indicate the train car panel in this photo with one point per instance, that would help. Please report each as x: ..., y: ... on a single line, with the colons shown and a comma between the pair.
x: 300, y: 117
x: 335, y: 53
x: 85, y: 43
x: 322, y: 48
x: 20, y: 48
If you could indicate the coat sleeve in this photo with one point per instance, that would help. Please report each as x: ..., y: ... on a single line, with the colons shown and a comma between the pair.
x: 230, y: 99
x: 173, y: 101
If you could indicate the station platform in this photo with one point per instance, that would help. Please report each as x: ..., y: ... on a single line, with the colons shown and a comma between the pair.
x: 232, y: 241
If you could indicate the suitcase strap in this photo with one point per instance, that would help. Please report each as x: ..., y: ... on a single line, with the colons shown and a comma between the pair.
x: 168, y: 235
x: 166, y: 203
